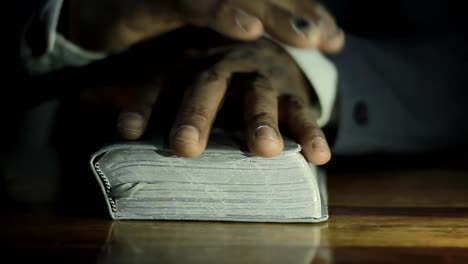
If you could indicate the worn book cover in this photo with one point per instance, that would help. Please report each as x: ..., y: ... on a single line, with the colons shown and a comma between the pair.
x: 145, y: 180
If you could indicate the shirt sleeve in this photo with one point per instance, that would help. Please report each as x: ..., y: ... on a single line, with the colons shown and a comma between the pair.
x: 59, y: 52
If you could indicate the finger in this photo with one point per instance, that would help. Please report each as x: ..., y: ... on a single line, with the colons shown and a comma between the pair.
x: 236, y: 23
x: 201, y: 103
x: 301, y: 122
x: 328, y: 36
x: 133, y: 120
x: 222, y: 16
x: 261, y: 117
x: 144, y: 20
x: 333, y: 45
x: 293, y: 23
x: 332, y: 37
x: 189, y: 135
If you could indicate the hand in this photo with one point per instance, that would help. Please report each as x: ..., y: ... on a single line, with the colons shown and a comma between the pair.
x: 265, y: 85
x: 108, y: 25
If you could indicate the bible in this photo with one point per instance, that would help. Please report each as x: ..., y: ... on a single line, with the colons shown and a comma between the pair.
x: 145, y: 180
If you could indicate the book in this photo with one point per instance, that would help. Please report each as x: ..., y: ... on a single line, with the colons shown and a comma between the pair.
x: 146, y: 180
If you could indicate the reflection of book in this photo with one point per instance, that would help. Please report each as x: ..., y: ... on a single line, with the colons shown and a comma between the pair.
x: 215, y: 242
x: 198, y: 242
x: 147, y: 181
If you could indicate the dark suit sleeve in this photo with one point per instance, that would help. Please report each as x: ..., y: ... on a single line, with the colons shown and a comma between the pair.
x: 22, y: 92
x: 402, y: 84
x: 18, y: 91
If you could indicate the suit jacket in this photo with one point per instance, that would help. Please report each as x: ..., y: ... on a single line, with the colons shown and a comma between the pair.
x: 402, y: 77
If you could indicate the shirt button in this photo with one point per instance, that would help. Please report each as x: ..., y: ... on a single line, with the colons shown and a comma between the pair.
x: 361, y: 114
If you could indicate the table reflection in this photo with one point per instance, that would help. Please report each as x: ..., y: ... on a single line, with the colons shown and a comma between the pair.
x: 214, y: 242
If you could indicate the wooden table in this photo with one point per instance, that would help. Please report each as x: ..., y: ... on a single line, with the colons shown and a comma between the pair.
x: 399, y: 216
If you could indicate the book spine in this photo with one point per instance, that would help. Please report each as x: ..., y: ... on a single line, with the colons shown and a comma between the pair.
x: 107, y: 186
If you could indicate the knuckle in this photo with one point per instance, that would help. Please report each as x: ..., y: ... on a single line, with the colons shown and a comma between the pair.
x: 269, y: 13
x: 245, y: 54
x: 275, y: 71
x: 195, y: 114
x: 311, y: 130
x: 221, y: 10
x: 305, y: 120
x: 309, y: 127
x: 264, y: 118
x: 210, y: 75
x: 261, y: 82
x: 295, y: 102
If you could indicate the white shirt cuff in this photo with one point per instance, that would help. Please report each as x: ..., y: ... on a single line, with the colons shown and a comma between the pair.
x: 60, y: 52
x: 323, y: 76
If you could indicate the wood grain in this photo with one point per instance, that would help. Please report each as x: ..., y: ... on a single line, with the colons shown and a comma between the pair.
x: 375, y: 217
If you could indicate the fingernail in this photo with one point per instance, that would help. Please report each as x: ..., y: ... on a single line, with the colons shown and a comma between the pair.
x: 304, y: 28
x: 187, y: 135
x: 319, y: 144
x: 266, y: 132
x: 244, y: 20
x: 131, y: 121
